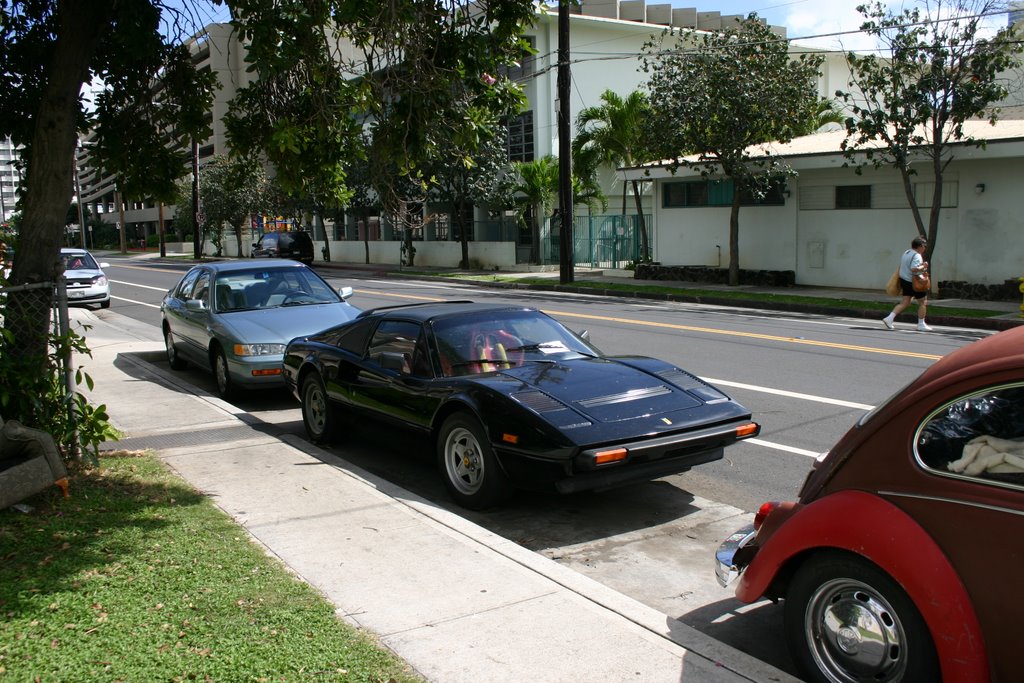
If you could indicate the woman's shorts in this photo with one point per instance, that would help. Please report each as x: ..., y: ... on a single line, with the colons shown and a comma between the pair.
x: 907, y: 288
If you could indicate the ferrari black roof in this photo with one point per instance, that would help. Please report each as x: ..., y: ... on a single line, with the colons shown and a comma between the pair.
x: 437, y: 309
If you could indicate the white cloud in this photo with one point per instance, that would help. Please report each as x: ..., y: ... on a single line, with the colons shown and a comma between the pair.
x: 835, y: 30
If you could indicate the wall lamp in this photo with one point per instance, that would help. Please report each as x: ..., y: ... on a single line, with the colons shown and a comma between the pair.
x: 979, y: 188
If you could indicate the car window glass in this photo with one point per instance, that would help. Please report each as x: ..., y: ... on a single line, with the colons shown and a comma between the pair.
x: 352, y: 338
x: 980, y: 435
x: 185, y: 286
x: 394, y: 337
x: 202, y: 288
x: 501, y: 340
x: 268, y: 241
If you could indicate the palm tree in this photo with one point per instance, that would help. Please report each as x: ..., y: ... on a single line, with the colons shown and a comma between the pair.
x: 615, y: 131
x: 826, y: 111
x: 537, y: 185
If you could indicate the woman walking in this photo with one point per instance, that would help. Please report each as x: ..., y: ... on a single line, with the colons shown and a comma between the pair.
x: 911, y: 263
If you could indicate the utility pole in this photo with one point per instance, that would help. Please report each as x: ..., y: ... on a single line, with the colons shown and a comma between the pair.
x: 197, y: 251
x: 78, y: 196
x: 565, y: 242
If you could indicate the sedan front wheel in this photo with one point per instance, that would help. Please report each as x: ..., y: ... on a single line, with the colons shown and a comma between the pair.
x: 471, y: 472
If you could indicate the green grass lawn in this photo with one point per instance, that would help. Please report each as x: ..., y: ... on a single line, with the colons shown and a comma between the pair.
x: 137, y: 577
x: 744, y: 296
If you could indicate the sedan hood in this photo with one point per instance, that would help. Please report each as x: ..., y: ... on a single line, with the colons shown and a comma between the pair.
x: 281, y: 325
x: 606, y: 390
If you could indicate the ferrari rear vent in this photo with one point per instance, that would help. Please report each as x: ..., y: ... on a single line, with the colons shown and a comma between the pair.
x: 626, y: 396
x: 538, y: 401
x: 688, y: 382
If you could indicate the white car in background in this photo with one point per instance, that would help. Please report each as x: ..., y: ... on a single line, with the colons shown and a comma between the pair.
x: 87, y: 283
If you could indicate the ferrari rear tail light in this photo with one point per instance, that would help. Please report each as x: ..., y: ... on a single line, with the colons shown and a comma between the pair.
x: 749, y: 429
x: 763, y: 512
x: 603, y: 457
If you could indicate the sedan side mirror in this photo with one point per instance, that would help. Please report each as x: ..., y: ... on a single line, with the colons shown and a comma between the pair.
x: 195, y: 305
x: 393, y: 360
x: 585, y: 335
x: 104, y: 265
x: 345, y: 292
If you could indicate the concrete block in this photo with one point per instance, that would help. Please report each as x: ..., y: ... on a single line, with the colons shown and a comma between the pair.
x: 609, y: 9
x: 633, y: 10
x: 659, y: 14
x: 684, y: 17
x: 709, y: 21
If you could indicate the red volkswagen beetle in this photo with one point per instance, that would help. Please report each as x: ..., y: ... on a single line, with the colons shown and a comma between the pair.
x: 898, y: 560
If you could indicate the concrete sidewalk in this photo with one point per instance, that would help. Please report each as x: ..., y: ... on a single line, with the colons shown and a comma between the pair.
x: 455, y: 601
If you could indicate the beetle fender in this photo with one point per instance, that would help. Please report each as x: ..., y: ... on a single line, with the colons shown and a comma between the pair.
x: 869, y: 526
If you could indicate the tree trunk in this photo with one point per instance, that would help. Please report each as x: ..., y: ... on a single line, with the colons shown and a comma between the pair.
x: 645, y: 249
x: 463, y: 238
x: 734, y: 240
x: 538, y: 216
x: 49, y: 176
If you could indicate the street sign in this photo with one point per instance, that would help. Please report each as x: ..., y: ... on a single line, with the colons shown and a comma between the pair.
x: 201, y: 218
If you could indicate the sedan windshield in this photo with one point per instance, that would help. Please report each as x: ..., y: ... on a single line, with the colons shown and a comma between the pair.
x: 80, y: 261
x: 496, y: 340
x: 271, y: 288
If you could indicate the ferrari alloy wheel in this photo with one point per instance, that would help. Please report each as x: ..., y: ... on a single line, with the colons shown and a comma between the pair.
x: 471, y: 472
x: 176, y: 362
x: 225, y: 387
x: 846, y: 621
x: 318, y: 416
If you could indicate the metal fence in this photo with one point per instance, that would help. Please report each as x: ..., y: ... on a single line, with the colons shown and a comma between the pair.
x: 43, y: 301
x: 603, y: 241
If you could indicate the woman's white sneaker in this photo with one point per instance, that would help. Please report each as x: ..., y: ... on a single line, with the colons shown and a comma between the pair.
x: 923, y: 327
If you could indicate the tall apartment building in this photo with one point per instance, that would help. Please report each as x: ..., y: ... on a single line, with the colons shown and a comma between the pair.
x: 10, y: 179
x: 215, y: 49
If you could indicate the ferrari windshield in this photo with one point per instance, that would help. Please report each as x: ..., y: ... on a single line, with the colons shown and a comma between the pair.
x: 494, y: 340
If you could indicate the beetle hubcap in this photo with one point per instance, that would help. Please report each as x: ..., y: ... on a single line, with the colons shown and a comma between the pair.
x: 854, y: 633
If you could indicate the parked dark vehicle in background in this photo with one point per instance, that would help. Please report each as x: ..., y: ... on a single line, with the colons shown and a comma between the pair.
x: 899, y: 560
x: 281, y: 244
x: 510, y: 398
x: 86, y: 281
x: 235, y: 317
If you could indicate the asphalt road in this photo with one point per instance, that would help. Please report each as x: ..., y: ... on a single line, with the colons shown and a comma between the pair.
x: 806, y: 379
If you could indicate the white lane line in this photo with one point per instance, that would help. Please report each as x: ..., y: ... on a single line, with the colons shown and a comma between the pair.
x: 780, y: 447
x: 133, y: 301
x: 133, y: 284
x: 790, y: 394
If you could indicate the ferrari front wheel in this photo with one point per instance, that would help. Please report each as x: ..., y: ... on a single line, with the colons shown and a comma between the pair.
x: 471, y: 472
x: 318, y: 415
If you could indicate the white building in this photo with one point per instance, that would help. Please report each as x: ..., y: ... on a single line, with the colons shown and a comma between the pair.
x: 833, y: 227
x: 10, y: 179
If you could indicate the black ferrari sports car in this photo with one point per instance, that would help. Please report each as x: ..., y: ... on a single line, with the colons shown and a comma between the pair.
x: 511, y: 398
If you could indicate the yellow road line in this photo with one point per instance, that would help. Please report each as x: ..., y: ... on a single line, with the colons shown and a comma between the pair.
x: 710, y: 330
x: 750, y: 335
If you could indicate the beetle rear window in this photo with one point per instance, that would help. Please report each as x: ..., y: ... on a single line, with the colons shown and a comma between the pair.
x: 980, y: 435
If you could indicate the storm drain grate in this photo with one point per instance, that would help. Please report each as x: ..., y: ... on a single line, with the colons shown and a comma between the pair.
x: 189, y: 438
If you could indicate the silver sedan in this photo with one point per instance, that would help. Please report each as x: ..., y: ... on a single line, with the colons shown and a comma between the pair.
x: 234, y: 318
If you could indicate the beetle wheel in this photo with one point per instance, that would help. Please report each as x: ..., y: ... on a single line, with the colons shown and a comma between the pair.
x: 846, y: 620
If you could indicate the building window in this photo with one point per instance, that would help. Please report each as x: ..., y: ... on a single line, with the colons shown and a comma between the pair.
x: 853, y: 196
x: 717, y: 193
x: 520, y: 137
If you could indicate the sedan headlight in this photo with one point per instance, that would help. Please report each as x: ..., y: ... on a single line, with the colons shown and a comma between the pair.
x: 99, y: 281
x: 259, y: 349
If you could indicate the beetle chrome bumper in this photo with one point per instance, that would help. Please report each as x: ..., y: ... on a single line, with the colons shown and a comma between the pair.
x: 726, y: 568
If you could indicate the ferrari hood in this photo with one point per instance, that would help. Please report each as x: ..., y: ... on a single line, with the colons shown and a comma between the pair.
x: 606, y: 390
